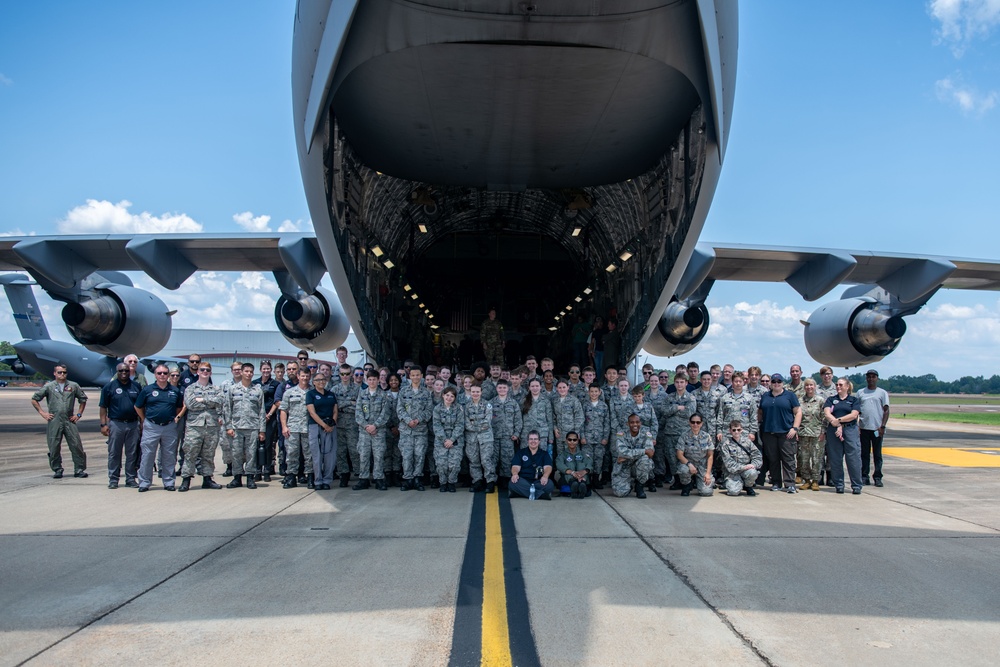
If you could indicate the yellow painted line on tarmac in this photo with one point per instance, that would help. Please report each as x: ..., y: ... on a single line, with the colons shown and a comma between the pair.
x: 496, y: 635
x: 978, y: 457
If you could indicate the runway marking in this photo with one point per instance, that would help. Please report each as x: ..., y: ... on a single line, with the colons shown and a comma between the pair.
x: 953, y: 457
x: 492, y: 605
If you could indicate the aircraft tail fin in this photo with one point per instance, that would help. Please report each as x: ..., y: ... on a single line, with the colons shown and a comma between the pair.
x: 27, y: 315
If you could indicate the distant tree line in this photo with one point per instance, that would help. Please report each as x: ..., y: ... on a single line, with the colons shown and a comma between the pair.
x: 929, y: 384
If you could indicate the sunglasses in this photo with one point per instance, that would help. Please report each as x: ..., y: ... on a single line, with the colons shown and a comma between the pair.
x: 204, y: 370
x: 345, y: 374
x: 123, y: 370
x: 647, y: 372
x: 60, y: 372
x: 175, y: 375
x: 736, y: 430
x: 359, y: 375
x: 572, y: 439
x: 695, y: 421
x: 161, y: 373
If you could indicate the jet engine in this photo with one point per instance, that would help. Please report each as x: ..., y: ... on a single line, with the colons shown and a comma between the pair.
x: 853, y: 332
x: 21, y: 368
x: 117, y: 320
x: 313, y: 322
x: 681, y: 327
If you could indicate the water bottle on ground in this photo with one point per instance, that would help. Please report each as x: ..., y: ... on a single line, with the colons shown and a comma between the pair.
x: 531, y: 492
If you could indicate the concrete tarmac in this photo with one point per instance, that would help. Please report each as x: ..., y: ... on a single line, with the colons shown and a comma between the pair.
x: 901, y: 575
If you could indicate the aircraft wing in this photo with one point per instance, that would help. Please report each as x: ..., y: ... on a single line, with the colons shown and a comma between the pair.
x: 169, y: 259
x: 815, y: 271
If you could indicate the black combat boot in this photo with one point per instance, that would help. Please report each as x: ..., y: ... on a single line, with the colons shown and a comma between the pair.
x: 289, y: 482
x: 651, y: 485
x: 595, y: 481
x: 185, y: 484
x: 686, y: 491
x: 236, y: 483
x: 491, y: 487
x: 418, y: 484
x: 229, y: 471
x: 659, y: 481
x: 639, y: 491
x: 361, y: 485
x: 676, y: 485
x: 311, y: 481
x: 345, y: 480
x: 405, y: 485
x: 209, y: 483
x: 251, y: 482
x: 380, y: 485
x: 435, y: 482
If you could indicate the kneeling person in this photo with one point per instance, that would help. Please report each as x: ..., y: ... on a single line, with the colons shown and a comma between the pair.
x: 633, y: 459
x: 531, y: 470
x: 695, y: 451
x: 741, y: 460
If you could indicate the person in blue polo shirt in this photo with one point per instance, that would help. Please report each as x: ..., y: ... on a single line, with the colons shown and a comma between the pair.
x: 120, y: 425
x: 157, y: 407
x: 531, y: 466
x: 779, y: 418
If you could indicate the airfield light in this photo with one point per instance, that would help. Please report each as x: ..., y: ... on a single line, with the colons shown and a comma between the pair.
x: 377, y: 251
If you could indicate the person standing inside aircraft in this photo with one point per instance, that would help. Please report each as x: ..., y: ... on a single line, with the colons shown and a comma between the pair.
x: 60, y: 396
x: 321, y: 408
x: 243, y: 412
x: 347, y: 428
x: 372, y: 414
x: 120, y: 425
x: 595, y: 346
x: 612, y: 344
x: 633, y: 459
x: 874, y: 417
x: 295, y: 427
x: 265, y: 451
x: 492, y: 336
x: 415, y: 408
x: 203, y: 412
x: 135, y: 372
x: 158, y: 406
x: 842, y: 438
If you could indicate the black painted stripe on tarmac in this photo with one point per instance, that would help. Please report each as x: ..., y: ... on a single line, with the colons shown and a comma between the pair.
x: 467, y: 637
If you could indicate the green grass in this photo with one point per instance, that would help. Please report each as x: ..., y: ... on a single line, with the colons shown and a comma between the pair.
x: 983, y: 418
x: 930, y: 399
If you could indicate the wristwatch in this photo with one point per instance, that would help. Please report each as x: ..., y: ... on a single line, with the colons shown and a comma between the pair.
x: 79, y: 414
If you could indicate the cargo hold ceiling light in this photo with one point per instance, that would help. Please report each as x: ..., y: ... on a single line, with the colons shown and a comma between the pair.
x: 610, y: 268
x: 587, y: 290
x: 430, y: 316
x: 577, y: 229
x: 377, y: 250
x: 414, y: 296
x: 388, y: 264
x: 553, y: 328
x: 406, y: 287
x: 578, y: 299
x: 625, y: 255
x: 422, y: 227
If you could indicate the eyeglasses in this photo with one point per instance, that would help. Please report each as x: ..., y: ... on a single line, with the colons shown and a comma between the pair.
x: 695, y: 421
x: 736, y: 430
x: 572, y: 439
x: 359, y: 375
x: 647, y: 372
x: 162, y: 373
x: 574, y: 372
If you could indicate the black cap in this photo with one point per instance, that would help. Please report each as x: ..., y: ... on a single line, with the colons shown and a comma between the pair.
x: 872, y: 372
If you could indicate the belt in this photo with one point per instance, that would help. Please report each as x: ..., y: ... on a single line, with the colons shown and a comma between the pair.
x: 160, y: 423
x: 125, y: 421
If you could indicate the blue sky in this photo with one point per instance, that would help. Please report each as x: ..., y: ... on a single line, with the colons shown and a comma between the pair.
x: 857, y: 125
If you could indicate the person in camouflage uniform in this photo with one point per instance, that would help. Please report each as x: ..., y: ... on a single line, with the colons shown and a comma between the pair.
x: 567, y: 415
x: 677, y: 408
x: 492, y: 336
x: 225, y: 440
x: 741, y: 460
x: 507, y: 424
x: 812, y: 436
x: 695, y: 451
x: 537, y: 415
x: 619, y: 408
x: 204, y: 412
x: 295, y: 428
x: 707, y: 404
x: 650, y: 421
x: 449, y: 439
x: 393, y: 459
x: 518, y: 391
x: 739, y: 405
x: 372, y: 417
x: 595, y: 433
x: 60, y: 396
x: 479, y: 446
x: 489, y: 384
x: 577, y: 387
x: 633, y: 459
x: 243, y: 412
x: 415, y: 408
x: 347, y: 429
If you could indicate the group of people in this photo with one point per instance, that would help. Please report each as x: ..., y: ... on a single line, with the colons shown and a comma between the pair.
x: 525, y: 430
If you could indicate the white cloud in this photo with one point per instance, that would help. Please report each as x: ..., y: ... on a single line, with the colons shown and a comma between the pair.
x: 101, y: 216
x: 297, y: 226
x: 962, y: 21
x: 251, y: 223
x: 5, y: 81
x: 965, y: 97
x: 17, y: 232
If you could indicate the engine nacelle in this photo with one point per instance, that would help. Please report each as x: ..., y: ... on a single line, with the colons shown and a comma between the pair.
x: 852, y: 332
x: 119, y: 320
x: 21, y: 368
x: 680, y: 329
x: 315, y: 322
